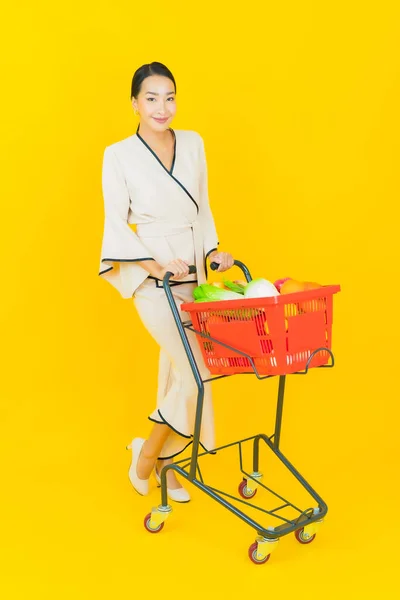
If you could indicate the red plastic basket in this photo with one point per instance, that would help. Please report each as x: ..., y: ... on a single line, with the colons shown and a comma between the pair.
x: 279, y: 333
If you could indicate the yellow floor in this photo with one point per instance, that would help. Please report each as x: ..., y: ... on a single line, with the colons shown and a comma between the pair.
x: 72, y: 527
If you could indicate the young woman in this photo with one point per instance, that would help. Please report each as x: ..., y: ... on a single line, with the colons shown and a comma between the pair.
x: 157, y: 180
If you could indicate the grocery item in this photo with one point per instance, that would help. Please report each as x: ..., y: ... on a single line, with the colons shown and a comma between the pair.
x: 211, y: 293
x: 219, y: 284
x: 279, y: 282
x: 260, y: 288
x: 291, y: 286
x: 235, y: 287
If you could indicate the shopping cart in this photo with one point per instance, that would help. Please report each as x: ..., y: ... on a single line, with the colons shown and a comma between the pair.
x: 269, y: 337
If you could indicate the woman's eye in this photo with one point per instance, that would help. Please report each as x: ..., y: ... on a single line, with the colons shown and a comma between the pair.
x: 151, y: 99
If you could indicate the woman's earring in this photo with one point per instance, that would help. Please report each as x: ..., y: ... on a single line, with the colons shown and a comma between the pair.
x: 136, y: 112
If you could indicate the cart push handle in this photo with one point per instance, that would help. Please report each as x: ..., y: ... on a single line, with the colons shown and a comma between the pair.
x: 214, y: 266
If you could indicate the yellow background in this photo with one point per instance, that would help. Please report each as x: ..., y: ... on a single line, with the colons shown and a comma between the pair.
x: 298, y: 104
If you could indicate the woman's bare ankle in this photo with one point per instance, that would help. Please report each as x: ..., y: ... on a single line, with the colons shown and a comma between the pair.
x: 148, y: 452
x: 145, y: 463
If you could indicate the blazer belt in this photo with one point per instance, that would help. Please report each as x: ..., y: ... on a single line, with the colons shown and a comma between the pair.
x: 158, y: 229
x: 172, y: 283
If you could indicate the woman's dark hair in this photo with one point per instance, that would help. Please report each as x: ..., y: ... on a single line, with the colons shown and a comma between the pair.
x: 154, y: 68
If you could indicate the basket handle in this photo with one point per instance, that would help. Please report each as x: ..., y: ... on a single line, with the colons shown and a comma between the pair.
x: 214, y: 266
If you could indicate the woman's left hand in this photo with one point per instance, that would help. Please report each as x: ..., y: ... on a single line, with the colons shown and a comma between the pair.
x: 224, y: 259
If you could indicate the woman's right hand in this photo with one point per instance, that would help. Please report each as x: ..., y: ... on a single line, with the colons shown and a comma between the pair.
x: 179, y: 267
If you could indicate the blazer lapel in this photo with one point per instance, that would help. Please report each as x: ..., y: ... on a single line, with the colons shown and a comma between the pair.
x: 171, y: 172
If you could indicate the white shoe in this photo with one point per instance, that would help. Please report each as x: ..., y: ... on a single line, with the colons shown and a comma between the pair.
x: 179, y: 495
x: 140, y: 485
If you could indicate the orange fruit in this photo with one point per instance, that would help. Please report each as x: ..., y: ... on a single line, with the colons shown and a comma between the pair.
x: 292, y: 286
x: 311, y: 285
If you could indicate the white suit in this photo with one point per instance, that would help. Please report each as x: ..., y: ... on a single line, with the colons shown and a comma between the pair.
x: 173, y: 219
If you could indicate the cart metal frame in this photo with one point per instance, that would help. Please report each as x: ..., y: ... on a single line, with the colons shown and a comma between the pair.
x: 307, y: 522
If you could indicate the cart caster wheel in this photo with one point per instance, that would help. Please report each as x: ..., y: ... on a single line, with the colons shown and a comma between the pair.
x: 244, y: 491
x: 147, y: 520
x: 302, y: 537
x: 253, y: 555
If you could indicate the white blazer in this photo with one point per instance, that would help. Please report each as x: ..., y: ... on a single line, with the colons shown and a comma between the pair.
x: 170, y: 209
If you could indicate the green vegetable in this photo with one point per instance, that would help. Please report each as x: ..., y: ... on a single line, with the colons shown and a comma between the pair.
x: 235, y: 287
x: 210, y: 293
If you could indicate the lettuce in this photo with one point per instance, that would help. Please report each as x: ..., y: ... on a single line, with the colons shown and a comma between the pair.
x: 210, y: 293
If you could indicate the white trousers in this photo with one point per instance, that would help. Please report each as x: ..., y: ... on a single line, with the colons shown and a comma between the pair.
x: 177, y: 390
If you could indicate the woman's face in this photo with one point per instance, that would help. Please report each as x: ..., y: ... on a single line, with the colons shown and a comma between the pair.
x: 156, y: 102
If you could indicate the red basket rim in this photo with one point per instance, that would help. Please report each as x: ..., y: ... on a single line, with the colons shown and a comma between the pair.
x: 255, y: 302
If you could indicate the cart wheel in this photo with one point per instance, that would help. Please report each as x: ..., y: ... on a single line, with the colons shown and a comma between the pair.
x: 300, y: 537
x: 151, y: 529
x: 253, y: 555
x: 244, y: 492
